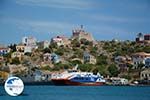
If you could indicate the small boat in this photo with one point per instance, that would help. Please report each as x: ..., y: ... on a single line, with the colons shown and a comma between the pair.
x: 77, y: 78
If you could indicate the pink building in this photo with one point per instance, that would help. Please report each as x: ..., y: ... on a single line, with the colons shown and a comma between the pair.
x: 61, y: 40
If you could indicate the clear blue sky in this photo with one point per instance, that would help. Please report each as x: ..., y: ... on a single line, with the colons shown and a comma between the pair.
x: 43, y: 19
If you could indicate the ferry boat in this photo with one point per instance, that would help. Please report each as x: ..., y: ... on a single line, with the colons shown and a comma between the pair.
x: 77, y: 78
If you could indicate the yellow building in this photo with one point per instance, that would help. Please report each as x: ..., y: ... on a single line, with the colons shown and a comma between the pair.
x: 17, y: 54
x: 20, y: 48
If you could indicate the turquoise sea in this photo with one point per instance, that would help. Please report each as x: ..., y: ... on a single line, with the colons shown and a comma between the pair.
x: 80, y: 93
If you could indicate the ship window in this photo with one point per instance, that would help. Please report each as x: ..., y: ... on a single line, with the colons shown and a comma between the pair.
x: 76, y: 78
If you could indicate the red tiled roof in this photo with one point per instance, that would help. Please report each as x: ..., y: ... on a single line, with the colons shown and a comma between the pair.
x: 3, y: 48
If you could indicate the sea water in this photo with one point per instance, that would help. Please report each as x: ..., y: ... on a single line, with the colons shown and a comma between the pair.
x: 80, y: 93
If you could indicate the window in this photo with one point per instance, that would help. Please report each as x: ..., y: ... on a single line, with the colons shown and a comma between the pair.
x: 143, y: 75
x: 25, y: 39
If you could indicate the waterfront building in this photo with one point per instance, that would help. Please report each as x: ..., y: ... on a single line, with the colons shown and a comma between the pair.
x: 41, y: 76
x: 119, y: 81
x: 145, y: 74
x: 38, y: 75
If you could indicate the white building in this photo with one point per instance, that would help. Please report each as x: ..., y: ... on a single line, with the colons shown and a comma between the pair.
x: 29, y: 41
x: 47, y: 57
x: 119, y: 81
x: 139, y: 58
x: 27, y: 49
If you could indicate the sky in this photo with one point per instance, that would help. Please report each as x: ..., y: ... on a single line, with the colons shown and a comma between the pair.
x: 44, y: 19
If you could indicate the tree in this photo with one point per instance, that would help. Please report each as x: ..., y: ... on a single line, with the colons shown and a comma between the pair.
x: 95, y: 71
x: 60, y: 66
x: 75, y: 43
x: 103, y: 70
x: 59, y: 51
x: 28, y: 54
x: 78, y: 53
x: 113, y: 70
x: 15, y: 61
x: 84, y: 41
x: 146, y: 49
x: 83, y: 47
x: 8, y: 55
x: 53, y: 45
x: 47, y: 50
x: 102, y: 60
x: 46, y: 68
x: 93, y: 51
x: 85, y: 67
x: 13, y: 47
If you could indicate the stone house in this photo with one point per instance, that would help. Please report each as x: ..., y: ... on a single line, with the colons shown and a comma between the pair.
x: 88, y: 58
